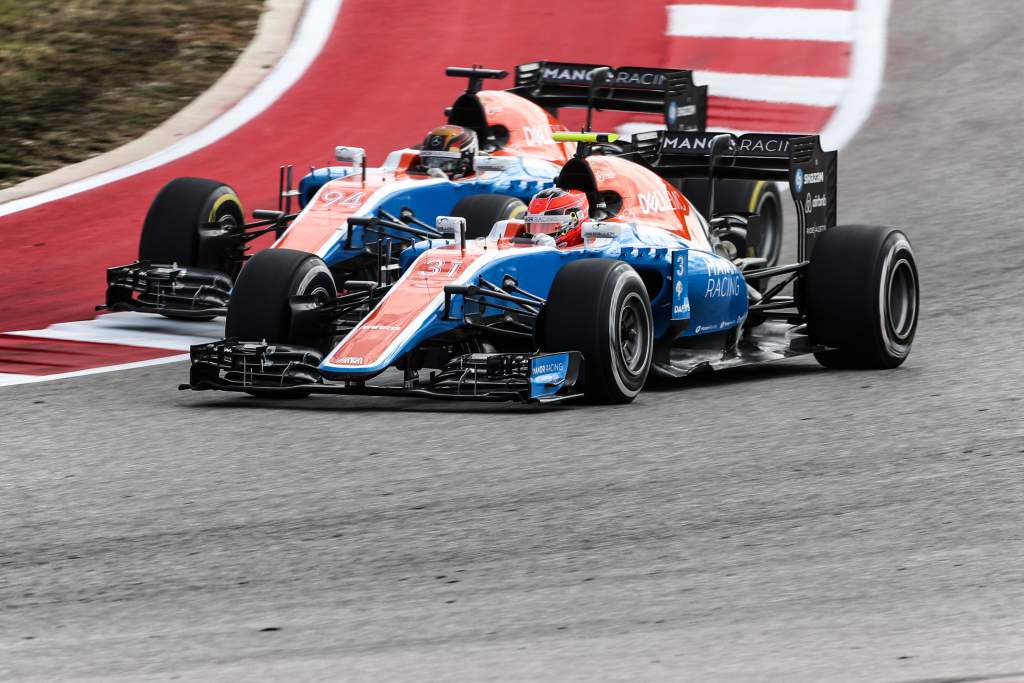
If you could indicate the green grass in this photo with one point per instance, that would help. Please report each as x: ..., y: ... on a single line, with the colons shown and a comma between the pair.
x: 81, y: 77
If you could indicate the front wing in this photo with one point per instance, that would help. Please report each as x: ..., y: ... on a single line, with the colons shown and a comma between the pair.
x: 269, y: 370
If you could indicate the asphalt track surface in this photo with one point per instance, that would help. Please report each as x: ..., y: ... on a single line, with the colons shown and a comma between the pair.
x: 784, y: 523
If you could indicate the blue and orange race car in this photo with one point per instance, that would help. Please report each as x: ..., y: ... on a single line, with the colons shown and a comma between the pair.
x: 195, y: 239
x: 655, y: 287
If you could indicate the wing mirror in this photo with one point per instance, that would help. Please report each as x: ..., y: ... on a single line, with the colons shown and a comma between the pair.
x: 353, y: 155
x: 592, y: 231
x: 454, y: 226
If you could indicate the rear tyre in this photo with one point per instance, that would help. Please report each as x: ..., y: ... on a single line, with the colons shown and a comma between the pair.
x: 745, y: 197
x: 600, y: 308
x: 768, y: 205
x: 861, y: 297
x: 482, y: 211
x: 260, y: 310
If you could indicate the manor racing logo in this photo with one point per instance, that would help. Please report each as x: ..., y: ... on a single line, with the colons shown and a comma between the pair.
x: 723, y: 280
x: 549, y: 373
x: 566, y: 74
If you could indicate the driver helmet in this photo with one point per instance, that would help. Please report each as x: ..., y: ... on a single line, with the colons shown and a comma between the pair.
x: 557, y: 212
x: 449, y: 149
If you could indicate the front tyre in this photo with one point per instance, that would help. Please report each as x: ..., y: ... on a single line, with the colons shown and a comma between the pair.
x: 185, y: 222
x: 600, y: 308
x: 861, y: 297
x: 260, y: 306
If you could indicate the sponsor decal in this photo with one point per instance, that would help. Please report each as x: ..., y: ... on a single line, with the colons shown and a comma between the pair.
x: 349, y: 360
x: 602, y: 175
x: 802, y: 179
x: 761, y: 145
x: 723, y: 280
x: 382, y: 328
x: 673, y: 113
x: 680, y: 300
x: 814, y: 178
x: 646, y: 79
x: 654, y: 202
x: 537, y: 135
x: 583, y: 74
x: 688, y: 143
x: 558, y: 73
x: 813, y: 202
x: 541, y: 369
x: 547, y: 373
x: 815, y: 229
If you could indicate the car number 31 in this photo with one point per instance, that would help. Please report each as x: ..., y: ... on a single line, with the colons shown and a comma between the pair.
x: 446, y: 269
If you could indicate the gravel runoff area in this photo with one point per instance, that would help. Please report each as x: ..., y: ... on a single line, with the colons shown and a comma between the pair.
x: 81, y: 77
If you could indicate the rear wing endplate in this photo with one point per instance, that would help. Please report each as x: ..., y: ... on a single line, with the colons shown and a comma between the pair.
x: 669, y: 92
x: 797, y: 159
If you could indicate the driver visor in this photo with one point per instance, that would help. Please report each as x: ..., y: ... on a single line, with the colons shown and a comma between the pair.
x: 539, y: 224
x: 439, y: 159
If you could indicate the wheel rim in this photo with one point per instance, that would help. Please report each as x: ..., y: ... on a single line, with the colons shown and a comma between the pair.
x: 770, y: 243
x: 633, y: 332
x: 901, y: 299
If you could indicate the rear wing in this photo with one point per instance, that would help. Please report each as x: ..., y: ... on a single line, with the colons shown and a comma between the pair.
x: 797, y: 159
x: 670, y: 92
x: 557, y: 84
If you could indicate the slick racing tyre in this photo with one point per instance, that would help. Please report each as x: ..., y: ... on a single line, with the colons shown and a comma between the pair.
x: 745, y: 197
x: 765, y: 201
x: 260, y: 305
x: 482, y: 211
x: 175, y: 227
x: 861, y: 297
x: 600, y: 308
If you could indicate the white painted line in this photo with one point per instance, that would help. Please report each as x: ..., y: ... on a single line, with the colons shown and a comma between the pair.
x: 15, y: 380
x: 778, y: 23
x: 309, y: 40
x: 809, y: 90
x: 866, y: 77
x: 7, y: 378
x: 133, y: 329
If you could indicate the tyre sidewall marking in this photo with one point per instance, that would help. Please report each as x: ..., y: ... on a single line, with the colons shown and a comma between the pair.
x: 894, y: 347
